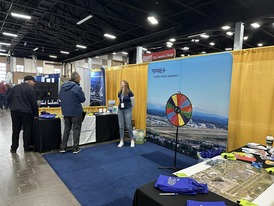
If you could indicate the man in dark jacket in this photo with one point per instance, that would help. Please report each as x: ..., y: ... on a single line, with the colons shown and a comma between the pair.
x: 23, y: 107
x: 71, y: 96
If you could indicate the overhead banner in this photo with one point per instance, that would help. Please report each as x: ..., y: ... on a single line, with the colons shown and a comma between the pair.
x: 205, y: 80
x: 155, y: 56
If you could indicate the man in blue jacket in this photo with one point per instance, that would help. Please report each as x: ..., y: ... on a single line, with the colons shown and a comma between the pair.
x: 71, y: 96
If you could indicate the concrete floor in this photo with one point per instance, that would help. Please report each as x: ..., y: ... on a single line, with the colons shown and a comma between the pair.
x: 26, y: 178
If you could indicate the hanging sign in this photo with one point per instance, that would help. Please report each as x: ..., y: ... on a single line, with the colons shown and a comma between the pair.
x: 155, y: 56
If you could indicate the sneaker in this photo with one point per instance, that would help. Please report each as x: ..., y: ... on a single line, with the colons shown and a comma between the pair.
x: 75, y: 151
x: 132, y: 143
x: 62, y: 151
x: 121, y: 144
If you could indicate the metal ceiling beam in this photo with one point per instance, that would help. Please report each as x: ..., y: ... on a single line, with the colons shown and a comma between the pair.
x: 123, y: 45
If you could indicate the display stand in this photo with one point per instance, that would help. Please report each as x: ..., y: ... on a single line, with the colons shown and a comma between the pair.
x: 179, y: 112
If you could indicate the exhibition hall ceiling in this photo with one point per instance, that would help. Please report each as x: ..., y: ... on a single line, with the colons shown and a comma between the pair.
x: 55, y: 26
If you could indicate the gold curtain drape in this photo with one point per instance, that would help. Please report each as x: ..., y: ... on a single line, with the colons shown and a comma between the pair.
x: 136, y: 75
x: 251, y: 115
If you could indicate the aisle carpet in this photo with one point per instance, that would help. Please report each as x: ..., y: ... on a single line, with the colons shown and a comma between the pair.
x: 104, y: 175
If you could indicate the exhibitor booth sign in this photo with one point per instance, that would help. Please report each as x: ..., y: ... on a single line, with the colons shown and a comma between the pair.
x: 167, y: 54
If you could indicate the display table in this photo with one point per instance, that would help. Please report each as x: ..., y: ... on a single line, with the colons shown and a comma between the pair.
x: 149, y: 195
x: 97, y: 128
x: 46, y: 134
x: 265, y: 199
x: 107, y: 127
x: 88, y: 134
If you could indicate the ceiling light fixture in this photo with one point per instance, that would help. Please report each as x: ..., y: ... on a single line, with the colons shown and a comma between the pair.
x: 204, y: 36
x: 194, y: 35
x: 226, y: 27
x: 152, y: 20
x: 260, y: 44
x: 22, y: 16
x: 148, y: 52
x: 84, y: 19
x: 255, y: 25
x: 110, y: 36
x: 172, y: 40
x: 245, y: 38
x: 124, y: 53
x: 9, y: 34
x: 185, y: 48
x: 144, y: 49
x: 229, y: 33
x: 2, y: 50
x: 81, y: 46
x: 52, y: 56
x: 114, y: 53
x: 195, y: 40
x: 64, y: 52
x: 211, y: 43
x: 35, y: 49
x: 5, y: 44
x: 228, y: 49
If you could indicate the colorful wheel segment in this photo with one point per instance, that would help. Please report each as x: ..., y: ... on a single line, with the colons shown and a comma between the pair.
x: 178, y: 109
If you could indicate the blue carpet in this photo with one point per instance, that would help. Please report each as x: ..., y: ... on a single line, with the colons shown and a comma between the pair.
x: 104, y: 175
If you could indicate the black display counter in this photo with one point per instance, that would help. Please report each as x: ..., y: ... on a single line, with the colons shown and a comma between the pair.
x: 46, y: 134
x: 149, y: 195
x: 107, y: 127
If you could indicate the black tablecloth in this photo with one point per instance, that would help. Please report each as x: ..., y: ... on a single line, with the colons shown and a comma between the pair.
x: 47, y: 134
x: 149, y: 195
x: 107, y: 127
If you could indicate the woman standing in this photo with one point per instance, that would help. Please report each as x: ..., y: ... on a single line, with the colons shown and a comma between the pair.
x: 126, y: 103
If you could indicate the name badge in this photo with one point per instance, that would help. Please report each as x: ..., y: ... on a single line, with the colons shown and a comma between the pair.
x: 122, y: 105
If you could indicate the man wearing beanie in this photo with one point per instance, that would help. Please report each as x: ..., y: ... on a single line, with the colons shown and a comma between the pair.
x: 23, y: 109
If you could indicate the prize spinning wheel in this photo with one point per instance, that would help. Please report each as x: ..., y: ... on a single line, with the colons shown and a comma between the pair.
x: 178, y: 112
x: 178, y: 109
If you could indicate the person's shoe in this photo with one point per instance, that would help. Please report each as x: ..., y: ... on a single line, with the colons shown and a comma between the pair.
x: 75, y: 151
x: 132, y: 143
x: 62, y: 151
x: 29, y: 149
x: 12, y: 151
x: 121, y: 144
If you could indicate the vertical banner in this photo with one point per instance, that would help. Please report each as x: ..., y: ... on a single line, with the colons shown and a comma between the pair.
x: 97, y: 87
x: 205, y: 80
